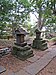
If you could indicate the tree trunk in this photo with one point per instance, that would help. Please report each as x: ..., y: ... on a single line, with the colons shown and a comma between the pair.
x: 39, y: 19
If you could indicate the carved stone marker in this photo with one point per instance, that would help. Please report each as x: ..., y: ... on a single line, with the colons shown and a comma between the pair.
x: 38, y: 42
x: 20, y: 48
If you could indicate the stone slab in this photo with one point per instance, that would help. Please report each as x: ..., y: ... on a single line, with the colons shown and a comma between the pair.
x: 2, y: 69
x: 33, y: 59
x: 35, y: 67
x: 22, y: 72
x: 7, y: 73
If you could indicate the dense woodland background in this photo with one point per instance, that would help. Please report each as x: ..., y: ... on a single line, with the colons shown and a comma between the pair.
x: 16, y: 13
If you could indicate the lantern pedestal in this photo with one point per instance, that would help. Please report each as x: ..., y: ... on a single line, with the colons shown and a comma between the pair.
x: 22, y: 52
x: 20, y: 49
x: 38, y: 42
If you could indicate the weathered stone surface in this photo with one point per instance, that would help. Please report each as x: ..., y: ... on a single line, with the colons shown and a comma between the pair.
x: 20, y: 49
x: 33, y: 59
x: 41, y: 63
x: 22, y: 72
x: 38, y: 42
x: 22, y: 52
x: 20, y: 33
x: 2, y: 69
x: 7, y: 73
x: 21, y: 44
x: 24, y: 55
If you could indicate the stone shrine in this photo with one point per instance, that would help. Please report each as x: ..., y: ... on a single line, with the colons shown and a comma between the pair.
x: 20, y: 49
x: 38, y: 42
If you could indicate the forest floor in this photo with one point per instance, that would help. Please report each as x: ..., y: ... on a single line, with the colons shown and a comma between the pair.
x: 14, y: 64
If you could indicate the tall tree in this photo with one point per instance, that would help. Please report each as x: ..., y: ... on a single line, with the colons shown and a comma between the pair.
x: 16, y: 12
x: 44, y: 8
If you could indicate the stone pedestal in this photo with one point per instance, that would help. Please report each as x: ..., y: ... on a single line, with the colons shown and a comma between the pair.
x: 20, y: 49
x: 38, y: 42
x: 22, y: 52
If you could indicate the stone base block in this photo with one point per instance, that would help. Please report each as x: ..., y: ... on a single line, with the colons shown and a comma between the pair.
x: 22, y: 52
x: 39, y: 44
x: 21, y: 44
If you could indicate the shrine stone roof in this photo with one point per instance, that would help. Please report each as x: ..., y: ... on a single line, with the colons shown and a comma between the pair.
x: 21, y: 31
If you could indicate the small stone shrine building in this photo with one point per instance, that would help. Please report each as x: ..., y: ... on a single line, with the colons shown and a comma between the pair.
x: 20, y: 49
x: 38, y: 42
x: 20, y: 34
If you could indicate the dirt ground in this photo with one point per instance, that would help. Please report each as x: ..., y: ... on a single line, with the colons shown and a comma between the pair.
x: 15, y: 65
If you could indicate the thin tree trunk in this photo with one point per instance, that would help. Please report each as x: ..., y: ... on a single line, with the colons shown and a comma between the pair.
x: 39, y: 19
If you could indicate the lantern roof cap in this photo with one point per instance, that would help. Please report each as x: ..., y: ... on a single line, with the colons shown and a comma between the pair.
x: 21, y: 31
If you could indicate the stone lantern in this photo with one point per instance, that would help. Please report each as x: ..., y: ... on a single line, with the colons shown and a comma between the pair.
x: 38, y: 42
x: 20, y: 34
x: 20, y: 48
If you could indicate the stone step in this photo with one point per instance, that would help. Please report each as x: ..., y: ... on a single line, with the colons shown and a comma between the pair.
x: 22, y: 54
x: 22, y: 72
x: 40, y: 46
x: 26, y: 57
x: 21, y: 44
x: 21, y: 48
x: 37, y: 66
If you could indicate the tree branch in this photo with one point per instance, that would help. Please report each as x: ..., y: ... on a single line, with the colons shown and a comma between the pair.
x: 35, y: 15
